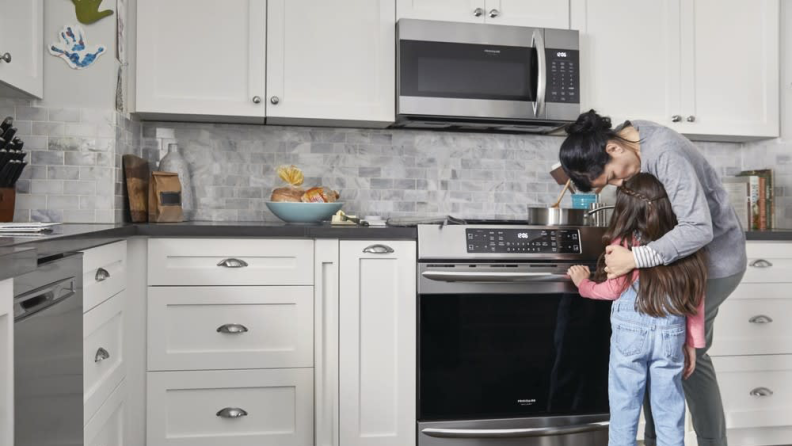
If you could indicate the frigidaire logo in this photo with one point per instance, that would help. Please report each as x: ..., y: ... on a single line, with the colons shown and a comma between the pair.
x: 492, y: 51
x: 526, y: 402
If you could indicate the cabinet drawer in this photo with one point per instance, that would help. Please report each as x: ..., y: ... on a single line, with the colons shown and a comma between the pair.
x: 206, y: 328
x: 104, y: 273
x: 759, y: 325
x: 768, y: 262
x: 103, y: 355
x: 273, y: 408
x: 230, y: 262
x: 756, y: 390
x: 107, y: 426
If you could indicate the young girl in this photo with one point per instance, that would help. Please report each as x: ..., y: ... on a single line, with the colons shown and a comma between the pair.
x: 652, y: 346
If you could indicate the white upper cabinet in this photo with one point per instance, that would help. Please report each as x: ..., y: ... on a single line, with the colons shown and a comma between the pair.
x: 706, y: 68
x: 629, y: 55
x: 200, y: 57
x: 22, y: 47
x: 472, y: 11
x: 331, y: 61
x: 539, y: 13
x: 733, y: 51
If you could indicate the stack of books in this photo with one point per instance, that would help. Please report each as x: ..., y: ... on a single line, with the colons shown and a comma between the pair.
x: 751, y: 194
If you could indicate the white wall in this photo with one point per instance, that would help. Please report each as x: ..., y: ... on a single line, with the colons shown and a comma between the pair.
x: 92, y: 87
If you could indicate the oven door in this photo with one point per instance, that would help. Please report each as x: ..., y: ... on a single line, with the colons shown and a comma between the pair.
x: 457, y: 70
x: 510, y: 354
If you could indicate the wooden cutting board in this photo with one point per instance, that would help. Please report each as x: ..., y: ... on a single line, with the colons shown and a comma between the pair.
x: 136, y: 172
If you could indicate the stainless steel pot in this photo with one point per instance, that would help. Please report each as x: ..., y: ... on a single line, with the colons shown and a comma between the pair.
x: 557, y: 216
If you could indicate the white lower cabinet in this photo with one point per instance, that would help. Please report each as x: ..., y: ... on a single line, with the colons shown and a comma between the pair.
x: 103, y: 358
x: 106, y: 428
x: 7, y: 362
x: 231, y: 407
x: 377, y: 343
x: 205, y: 328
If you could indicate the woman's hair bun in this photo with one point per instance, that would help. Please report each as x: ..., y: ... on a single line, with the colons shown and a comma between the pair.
x: 589, y: 122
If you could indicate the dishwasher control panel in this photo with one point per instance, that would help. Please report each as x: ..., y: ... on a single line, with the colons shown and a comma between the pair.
x: 523, y: 241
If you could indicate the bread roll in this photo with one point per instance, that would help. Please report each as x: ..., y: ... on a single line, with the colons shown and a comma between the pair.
x: 288, y: 193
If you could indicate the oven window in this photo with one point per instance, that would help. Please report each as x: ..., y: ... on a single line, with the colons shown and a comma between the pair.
x: 467, y: 71
x: 500, y: 356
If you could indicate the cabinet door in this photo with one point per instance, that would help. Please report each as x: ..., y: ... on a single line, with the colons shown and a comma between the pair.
x: 538, y: 13
x: 471, y: 11
x: 732, y: 48
x: 6, y: 363
x: 201, y: 57
x: 326, y: 341
x: 321, y: 71
x: 21, y: 34
x: 377, y: 314
x: 629, y: 53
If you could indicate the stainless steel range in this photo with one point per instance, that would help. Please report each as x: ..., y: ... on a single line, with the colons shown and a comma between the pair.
x: 508, y: 352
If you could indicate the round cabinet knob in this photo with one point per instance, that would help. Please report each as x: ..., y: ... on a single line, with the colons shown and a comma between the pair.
x: 494, y: 13
x: 691, y: 118
x: 275, y: 100
x: 257, y: 99
x: 6, y: 57
x: 478, y: 12
x: 676, y: 118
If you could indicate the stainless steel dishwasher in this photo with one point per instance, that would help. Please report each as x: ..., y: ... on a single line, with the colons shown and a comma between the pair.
x: 48, y: 352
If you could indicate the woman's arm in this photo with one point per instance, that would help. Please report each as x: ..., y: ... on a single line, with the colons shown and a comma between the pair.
x: 695, y: 328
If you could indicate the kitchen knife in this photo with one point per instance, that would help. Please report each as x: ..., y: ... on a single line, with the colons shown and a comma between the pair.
x: 5, y: 175
x: 8, y: 135
x: 6, y: 124
x: 17, y: 174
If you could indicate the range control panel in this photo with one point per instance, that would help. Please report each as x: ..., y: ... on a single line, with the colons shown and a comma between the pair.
x: 563, y: 76
x: 523, y: 241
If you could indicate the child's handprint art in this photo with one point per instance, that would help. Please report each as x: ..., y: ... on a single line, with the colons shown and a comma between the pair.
x: 72, y: 48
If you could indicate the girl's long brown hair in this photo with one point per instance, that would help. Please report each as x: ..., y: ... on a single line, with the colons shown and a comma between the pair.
x: 643, y: 211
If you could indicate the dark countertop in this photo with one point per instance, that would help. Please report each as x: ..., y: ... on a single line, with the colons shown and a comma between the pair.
x: 778, y: 235
x: 18, y: 254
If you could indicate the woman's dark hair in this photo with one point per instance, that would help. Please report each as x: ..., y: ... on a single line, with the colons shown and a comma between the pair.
x: 583, y: 154
x: 643, y: 212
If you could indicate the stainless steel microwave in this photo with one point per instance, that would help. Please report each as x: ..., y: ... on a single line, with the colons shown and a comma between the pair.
x: 486, y: 77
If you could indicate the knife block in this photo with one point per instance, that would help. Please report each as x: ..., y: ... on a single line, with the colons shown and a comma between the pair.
x: 7, y: 200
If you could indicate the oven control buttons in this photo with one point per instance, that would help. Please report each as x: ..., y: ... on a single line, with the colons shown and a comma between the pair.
x: 523, y: 241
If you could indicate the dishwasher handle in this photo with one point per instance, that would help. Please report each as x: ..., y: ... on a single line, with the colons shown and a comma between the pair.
x: 34, y: 301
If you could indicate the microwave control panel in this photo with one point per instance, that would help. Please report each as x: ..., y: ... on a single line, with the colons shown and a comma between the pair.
x: 563, y: 76
x: 523, y: 241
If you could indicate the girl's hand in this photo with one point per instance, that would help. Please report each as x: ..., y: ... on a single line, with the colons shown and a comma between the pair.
x: 578, y: 273
x: 690, y: 361
x: 619, y: 261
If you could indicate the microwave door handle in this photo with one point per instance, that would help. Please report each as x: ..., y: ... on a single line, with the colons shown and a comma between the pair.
x: 516, y: 433
x: 541, y: 78
x: 454, y: 276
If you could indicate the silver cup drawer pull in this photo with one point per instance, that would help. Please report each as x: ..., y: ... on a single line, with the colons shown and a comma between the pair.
x: 760, y: 319
x: 761, y: 391
x: 101, y: 355
x: 232, y: 329
x: 232, y: 263
x: 378, y: 249
x: 231, y: 412
x: 102, y: 275
x: 760, y: 263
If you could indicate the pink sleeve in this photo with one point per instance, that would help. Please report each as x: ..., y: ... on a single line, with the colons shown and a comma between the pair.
x: 610, y: 289
x: 695, y: 328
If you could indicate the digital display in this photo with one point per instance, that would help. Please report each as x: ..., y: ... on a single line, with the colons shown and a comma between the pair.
x: 521, y: 241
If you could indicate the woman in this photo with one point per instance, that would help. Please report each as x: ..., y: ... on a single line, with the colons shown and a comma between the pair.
x: 595, y: 155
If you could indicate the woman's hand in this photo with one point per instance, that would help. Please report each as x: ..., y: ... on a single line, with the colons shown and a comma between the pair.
x: 619, y: 261
x: 578, y: 273
x: 690, y: 361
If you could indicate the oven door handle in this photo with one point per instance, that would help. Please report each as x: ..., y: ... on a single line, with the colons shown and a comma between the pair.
x: 516, y: 433
x: 454, y: 276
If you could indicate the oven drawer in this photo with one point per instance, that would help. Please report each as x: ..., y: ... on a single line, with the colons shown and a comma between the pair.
x: 206, y: 328
x: 239, y: 408
x: 756, y: 390
x: 230, y: 262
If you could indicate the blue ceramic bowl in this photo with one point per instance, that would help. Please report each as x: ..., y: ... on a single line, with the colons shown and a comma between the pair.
x: 292, y: 212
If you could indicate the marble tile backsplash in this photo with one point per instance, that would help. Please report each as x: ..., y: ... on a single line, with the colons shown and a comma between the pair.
x: 73, y: 162
x: 378, y: 172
